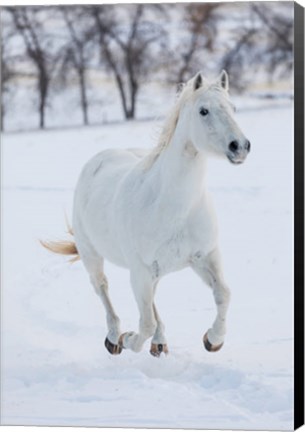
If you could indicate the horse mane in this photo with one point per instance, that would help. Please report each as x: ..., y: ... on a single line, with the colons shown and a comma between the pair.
x: 185, y: 92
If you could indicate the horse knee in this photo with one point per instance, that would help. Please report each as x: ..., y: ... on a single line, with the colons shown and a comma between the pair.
x: 222, y: 295
x: 227, y: 295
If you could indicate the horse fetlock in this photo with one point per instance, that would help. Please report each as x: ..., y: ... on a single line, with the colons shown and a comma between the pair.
x: 113, y: 336
x: 127, y: 340
x: 158, y: 337
x: 216, y: 335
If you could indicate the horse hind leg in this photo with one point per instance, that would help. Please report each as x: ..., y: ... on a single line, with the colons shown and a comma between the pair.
x: 94, y: 264
x: 158, y: 343
x: 112, y: 341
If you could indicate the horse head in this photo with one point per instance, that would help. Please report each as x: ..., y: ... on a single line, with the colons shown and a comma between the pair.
x: 213, y: 128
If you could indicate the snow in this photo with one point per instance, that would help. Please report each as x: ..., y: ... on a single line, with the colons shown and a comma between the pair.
x: 55, y: 369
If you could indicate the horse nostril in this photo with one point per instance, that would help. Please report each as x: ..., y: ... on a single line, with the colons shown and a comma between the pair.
x: 248, y: 145
x: 233, y: 146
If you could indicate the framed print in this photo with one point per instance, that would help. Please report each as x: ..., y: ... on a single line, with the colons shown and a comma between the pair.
x: 152, y: 217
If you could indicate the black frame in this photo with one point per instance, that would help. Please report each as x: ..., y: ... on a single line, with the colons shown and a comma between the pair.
x: 298, y: 215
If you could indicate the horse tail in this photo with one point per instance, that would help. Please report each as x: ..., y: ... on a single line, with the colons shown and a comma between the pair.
x: 63, y: 247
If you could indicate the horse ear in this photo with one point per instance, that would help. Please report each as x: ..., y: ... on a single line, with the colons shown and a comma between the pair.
x: 223, y: 80
x: 197, y: 81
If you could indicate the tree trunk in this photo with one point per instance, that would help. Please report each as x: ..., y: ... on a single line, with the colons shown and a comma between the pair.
x: 43, y: 93
x: 117, y: 76
x: 123, y: 95
x: 41, y: 114
x: 2, y: 118
x: 133, y: 99
x: 132, y: 85
x: 83, y: 95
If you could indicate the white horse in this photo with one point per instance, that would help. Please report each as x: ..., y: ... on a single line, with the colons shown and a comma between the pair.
x: 150, y: 212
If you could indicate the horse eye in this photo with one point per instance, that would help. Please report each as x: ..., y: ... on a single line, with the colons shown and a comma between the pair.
x: 203, y: 111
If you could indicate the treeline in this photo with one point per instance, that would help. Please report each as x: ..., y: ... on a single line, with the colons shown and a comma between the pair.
x: 132, y: 44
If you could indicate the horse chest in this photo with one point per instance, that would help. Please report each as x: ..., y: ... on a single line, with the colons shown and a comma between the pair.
x: 171, y: 251
x: 157, y: 238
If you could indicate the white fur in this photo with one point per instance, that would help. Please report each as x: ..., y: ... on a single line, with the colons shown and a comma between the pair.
x: 151, y: 212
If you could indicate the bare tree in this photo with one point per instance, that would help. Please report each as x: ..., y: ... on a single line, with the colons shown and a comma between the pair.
x: 7, y: 69
x: 6, y: 75
x: 31, y: 30
x: 77, y: 51
x: 238, y: 57
x: 128, y: 43
x: 198, y: 33
x: 262, y: 39
x: 277, y: 22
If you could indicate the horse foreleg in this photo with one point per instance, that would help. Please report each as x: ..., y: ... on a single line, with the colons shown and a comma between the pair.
x: 210, y: 271
x: 142, y: 286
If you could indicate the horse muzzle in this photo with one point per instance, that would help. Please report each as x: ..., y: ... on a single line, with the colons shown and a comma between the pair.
x: 237, y: 153
x: 237, y: 160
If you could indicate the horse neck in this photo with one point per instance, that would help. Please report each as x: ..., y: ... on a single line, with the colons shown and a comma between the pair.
x: 180, y: 168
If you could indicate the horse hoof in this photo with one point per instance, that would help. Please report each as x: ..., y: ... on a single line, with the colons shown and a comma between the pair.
x: 112, y: 348
x: 157, y: 349
x: 208, y: 346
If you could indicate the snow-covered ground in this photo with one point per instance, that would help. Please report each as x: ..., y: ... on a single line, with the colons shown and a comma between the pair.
x: 55, y: 369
